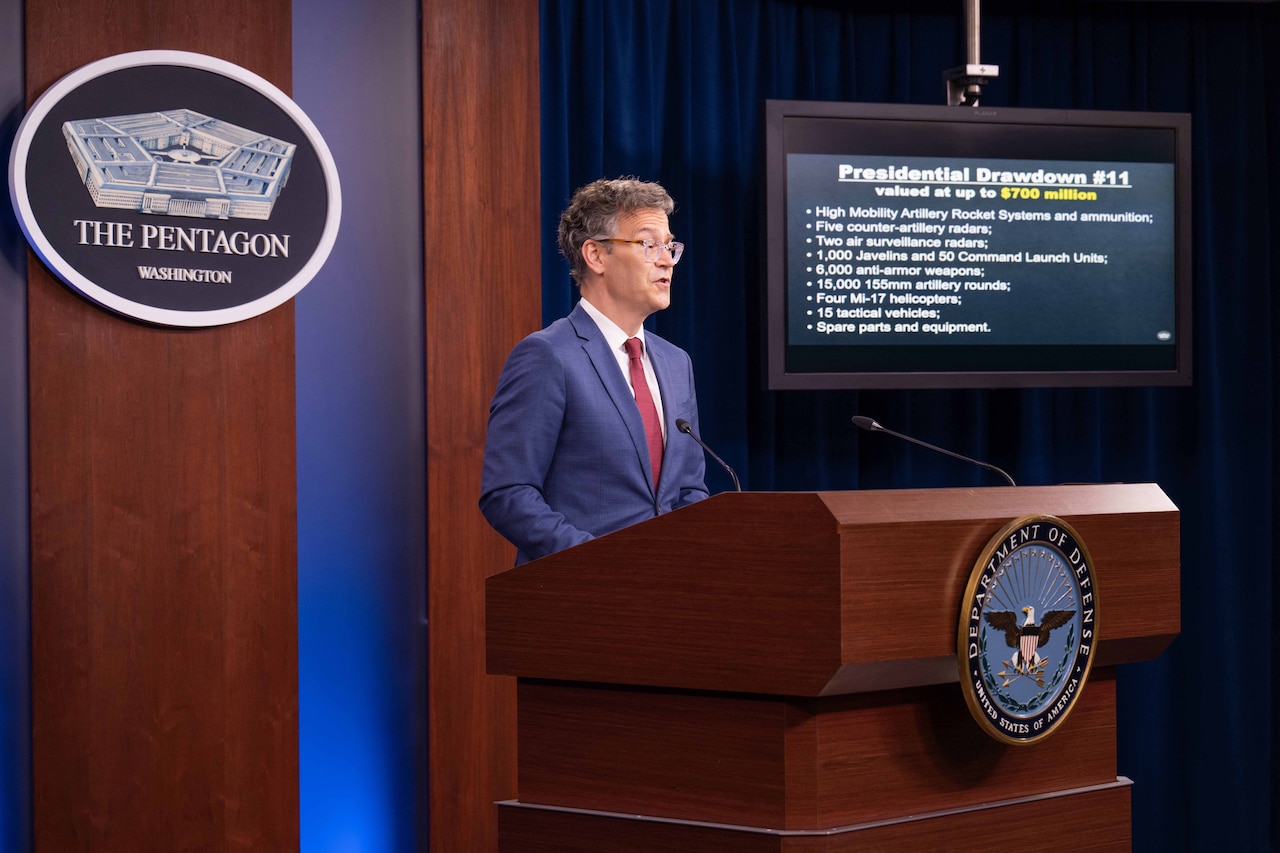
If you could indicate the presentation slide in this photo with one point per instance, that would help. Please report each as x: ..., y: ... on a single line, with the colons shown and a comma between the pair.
x: 923, y: 251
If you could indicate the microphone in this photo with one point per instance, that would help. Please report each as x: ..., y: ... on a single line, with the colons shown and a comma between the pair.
x: 685, y: 427
x: 871, y: 426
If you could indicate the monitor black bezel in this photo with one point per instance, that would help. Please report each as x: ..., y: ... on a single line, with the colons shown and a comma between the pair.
x: 922, y: 129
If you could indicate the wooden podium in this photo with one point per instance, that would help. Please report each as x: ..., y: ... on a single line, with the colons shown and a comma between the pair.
x: 777, y: 672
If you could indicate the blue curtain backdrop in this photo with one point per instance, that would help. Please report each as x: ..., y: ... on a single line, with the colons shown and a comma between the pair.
x: 672, y: 91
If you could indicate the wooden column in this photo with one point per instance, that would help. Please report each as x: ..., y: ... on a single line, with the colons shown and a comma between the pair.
x: 483, y: 293
x: 163, y: 534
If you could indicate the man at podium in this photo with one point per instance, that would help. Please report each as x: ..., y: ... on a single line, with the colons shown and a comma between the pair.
x: 582, y: 438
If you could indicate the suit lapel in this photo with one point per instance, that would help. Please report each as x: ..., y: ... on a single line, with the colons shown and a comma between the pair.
x: 616, y: 387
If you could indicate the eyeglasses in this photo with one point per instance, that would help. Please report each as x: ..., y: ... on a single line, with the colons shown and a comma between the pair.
x: 652, y: 248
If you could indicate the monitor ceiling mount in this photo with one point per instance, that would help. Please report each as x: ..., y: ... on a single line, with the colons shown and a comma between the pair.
x: 965, y: 82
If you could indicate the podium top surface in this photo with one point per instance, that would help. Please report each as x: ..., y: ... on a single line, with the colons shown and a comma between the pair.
x: 817, y: 593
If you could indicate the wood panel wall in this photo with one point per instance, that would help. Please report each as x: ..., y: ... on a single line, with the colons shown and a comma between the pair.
x: 483, y: 293
x: 163, y: 505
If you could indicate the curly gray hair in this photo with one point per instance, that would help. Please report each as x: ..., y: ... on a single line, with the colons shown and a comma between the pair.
x: 594, y: 211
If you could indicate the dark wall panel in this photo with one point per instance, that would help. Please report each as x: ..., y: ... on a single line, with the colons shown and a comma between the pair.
x: 15, y: 622
x: 163, y: 543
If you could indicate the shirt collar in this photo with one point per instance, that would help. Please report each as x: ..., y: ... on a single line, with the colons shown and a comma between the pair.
x: 613, y: 334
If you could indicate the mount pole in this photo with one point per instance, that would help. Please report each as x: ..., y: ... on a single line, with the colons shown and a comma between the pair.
x: 965, y: 82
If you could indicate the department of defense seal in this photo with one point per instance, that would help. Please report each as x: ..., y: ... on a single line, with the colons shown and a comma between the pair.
x: 1028, y: 629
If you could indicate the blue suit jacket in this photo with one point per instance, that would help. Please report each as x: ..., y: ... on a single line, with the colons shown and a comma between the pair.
x: 565, y: 459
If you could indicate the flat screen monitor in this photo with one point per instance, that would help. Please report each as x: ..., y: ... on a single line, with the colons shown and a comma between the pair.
x: 925, y: 247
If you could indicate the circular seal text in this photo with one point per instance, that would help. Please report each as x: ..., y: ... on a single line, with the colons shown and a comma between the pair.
x: 1028, y: 629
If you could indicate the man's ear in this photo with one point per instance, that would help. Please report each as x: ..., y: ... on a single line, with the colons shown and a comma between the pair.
x: 593, y: 254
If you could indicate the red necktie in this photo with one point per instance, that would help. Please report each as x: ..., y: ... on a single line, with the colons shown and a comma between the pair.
x: 648, y: 411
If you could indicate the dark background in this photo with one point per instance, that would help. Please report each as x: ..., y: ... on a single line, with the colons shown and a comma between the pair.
x: 673, y: 92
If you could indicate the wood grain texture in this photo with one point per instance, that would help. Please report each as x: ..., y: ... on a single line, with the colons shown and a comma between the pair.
x: 627, y: 644
x: 482, y: 294
x: 1090, y: 820
x: 740, y: 595
x: 910, y: 553
x: 717, y: 757
x: 794, y: 764
x: 806, y: 594
x: 164, y: 547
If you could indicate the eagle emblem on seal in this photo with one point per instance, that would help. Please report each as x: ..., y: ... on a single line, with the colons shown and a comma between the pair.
x: 1026, y: 639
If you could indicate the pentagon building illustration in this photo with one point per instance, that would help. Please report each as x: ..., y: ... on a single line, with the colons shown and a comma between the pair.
x: 179, y: 163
